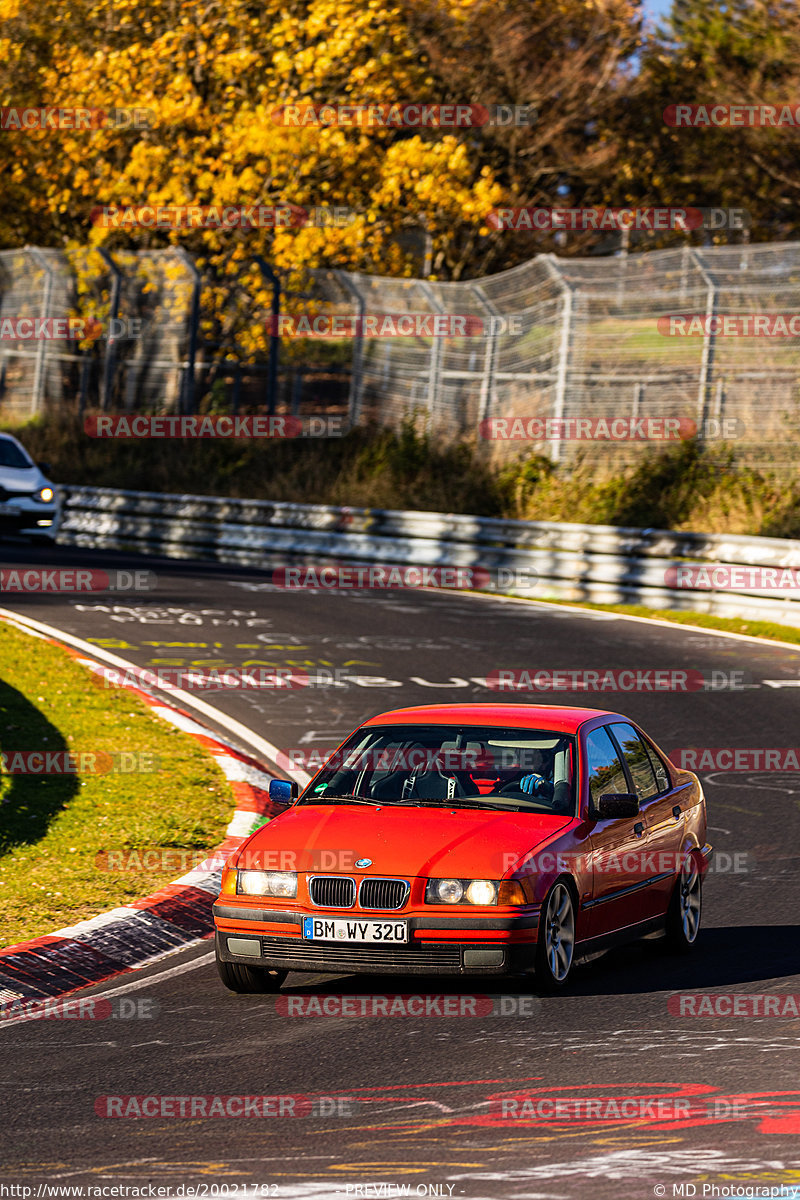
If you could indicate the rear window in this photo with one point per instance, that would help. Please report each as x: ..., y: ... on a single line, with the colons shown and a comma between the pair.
x: 12, y: 455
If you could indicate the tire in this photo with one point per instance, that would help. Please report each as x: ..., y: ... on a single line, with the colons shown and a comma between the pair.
x: 555, y: 949
x: 247, y: 980
x: 685, y: 909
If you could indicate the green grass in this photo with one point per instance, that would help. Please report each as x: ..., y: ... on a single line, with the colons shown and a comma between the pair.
x: 760, y: 629
x: 52, y: 827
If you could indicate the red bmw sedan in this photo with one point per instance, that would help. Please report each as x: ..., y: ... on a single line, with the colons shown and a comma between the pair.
x: 468, y: 839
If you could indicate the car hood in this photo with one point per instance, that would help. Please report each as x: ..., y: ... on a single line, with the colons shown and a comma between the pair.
x: 14, y: 479
x: 464, y: 843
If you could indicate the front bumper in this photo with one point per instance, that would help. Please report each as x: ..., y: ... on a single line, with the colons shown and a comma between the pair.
x: 468, y: 945
x: 22, y: 518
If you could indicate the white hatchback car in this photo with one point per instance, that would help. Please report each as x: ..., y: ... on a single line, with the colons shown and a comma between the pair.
x: 30, y: 506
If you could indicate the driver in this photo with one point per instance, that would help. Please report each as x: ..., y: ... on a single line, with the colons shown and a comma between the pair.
x: 484, y: 771
x: 535, y: 783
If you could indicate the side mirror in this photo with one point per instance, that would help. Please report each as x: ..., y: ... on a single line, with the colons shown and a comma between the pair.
x: 614, y: 805
x: 283, y: 791
x: 45, y: 467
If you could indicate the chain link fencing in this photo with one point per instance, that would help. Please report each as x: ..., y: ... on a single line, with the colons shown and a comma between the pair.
x: 638, y: 338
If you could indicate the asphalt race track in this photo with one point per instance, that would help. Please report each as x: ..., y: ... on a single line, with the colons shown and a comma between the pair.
x: 404, y: 1105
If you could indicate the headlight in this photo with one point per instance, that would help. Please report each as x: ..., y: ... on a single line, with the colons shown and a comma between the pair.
x: 461, y: 891
x: 268, y: 883
x: 45, y: 494
x: 482, y: 891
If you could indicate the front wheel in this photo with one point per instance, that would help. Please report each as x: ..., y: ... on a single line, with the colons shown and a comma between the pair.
x: 247, y: 980
x: 683, y: 916
x: 556, y: 947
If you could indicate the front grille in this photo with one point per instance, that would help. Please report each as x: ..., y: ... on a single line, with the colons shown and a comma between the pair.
x: 316, y: 954
x: 383, y: 893
x: 332, y: 891
x: 9, y: 494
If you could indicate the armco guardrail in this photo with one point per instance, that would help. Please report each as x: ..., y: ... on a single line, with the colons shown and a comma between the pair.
x: 600, y: 563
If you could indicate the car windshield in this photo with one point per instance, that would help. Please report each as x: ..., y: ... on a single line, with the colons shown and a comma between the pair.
x: 460, y: 765
x: 12, y: 455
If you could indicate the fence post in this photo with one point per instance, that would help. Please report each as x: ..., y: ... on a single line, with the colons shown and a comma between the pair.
x: 435, y: 369
x: 37, y: 399
x: 562, y: 370
x: 357, y: 363
x: 188, y: 381
x: 274, y: 336
x: 709, y: 345
x: 488, y: 397
x: 111, y: 349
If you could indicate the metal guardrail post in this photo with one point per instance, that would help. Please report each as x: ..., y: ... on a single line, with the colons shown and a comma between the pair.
x: 274, y: 336
x: 357, y: 366
x: 111, y: 348
x: 187, y: 396
x: 37, y: 398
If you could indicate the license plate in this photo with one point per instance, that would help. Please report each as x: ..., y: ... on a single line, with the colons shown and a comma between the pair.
x: 327, y: 929
x: 9, y: 510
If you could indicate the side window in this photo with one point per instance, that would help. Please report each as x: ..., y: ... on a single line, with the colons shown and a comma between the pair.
x: 604, y: 767
x: 661, y: 772
x: 638, y: 760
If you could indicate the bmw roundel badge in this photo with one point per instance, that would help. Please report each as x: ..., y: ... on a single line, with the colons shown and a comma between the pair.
x: 363, y: 862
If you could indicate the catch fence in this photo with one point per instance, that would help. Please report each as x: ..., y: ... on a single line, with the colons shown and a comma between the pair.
x: 562, y: 340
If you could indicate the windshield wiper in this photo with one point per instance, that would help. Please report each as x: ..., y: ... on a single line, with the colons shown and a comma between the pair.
x: 515, y: 804
x: 338, y: 800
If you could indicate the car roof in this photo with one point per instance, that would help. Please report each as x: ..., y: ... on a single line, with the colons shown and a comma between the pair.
x: 9, y: 437
x: 559, y: 718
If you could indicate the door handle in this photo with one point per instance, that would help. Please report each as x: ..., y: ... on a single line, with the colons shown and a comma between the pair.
x: 638, y: 829
x: 676, y: 812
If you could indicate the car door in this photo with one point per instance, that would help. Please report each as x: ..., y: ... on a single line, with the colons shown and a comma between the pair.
x: 661, y: 809
x: 617, y: 846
